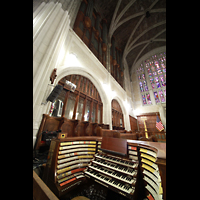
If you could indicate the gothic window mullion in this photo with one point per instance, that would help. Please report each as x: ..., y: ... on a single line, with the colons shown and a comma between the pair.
x: 143, y: 85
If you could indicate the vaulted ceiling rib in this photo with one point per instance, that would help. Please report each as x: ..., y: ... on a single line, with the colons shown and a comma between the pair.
x: 134, y: 31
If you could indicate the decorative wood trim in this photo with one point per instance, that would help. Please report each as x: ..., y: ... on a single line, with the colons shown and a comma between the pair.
x: 65, y: 103
x: 75, y: 107
x: 53, y: 75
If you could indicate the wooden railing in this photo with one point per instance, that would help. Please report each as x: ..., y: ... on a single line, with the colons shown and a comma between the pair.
x: 40, y: 189
x: 161, y: 136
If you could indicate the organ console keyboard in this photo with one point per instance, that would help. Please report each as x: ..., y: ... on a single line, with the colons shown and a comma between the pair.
x: 125, y: 168
x: 119, y: 175
x: 113, y: 169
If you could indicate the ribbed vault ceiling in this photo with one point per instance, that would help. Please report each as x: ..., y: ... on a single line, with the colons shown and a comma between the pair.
x: 135, y: 32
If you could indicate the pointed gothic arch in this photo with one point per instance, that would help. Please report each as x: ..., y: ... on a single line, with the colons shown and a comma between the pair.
x: 117, y: 115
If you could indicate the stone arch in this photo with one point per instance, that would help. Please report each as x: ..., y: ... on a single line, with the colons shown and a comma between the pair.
x: 81, y: 71
x: 121, y: 103
x: 65, y: 71
x: 122, y: 110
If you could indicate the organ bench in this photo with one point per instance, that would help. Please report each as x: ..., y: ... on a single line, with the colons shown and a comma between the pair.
x: 116, y: 166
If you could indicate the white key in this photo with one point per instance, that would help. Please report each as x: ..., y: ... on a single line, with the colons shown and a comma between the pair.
x: 113, y: 183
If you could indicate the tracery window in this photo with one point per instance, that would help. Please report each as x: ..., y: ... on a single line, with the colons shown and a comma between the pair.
x: 152, y: 79
x: 146, y: 99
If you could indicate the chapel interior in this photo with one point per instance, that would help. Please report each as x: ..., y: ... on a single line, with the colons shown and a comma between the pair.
x: 99, y: 99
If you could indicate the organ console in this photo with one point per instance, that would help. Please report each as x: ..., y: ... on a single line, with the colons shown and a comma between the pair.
x: 111, y: 168
x: 66, y: 161
x: 124, y: 167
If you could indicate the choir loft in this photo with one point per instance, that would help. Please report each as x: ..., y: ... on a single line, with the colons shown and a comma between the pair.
x: 99, y: 99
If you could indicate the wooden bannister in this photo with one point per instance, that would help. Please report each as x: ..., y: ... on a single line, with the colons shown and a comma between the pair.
x: 161, y: 136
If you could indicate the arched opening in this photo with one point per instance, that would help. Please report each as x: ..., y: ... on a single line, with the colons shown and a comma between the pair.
x: 117, y: 116
x: 83, y: 104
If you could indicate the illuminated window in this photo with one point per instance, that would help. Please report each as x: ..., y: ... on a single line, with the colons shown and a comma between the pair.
x: 146, y: 99
x: 156, y: 70
x: 152, y: 79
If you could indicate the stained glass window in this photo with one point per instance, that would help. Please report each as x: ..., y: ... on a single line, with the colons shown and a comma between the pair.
x: 143, y: 76
x: 143, y: 85
x: 153, y: 70
x: 144, y: 99
x: 152, y: 79
x: 162, y: 80
x: 152, y: 83
x: 165, y: 92
x: 161, y: 95
x: 148, y: 98
x: 157, y: 64
x: 163, y: 67
x: 149, y: 72
x: 159, y: 70
x: 140, y: 69
x: 157, y: 82
x: 156, y: 97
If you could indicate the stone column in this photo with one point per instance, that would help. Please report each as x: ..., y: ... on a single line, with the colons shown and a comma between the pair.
x: 73, y: 10
x: 49, y: 36
x: 108, y: 58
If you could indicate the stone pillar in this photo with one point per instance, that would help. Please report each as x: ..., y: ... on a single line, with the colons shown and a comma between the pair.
x: 49, y: 36
x: 73, y: 10
x: 108, y: 58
